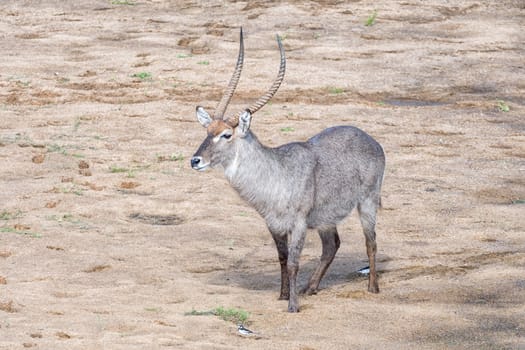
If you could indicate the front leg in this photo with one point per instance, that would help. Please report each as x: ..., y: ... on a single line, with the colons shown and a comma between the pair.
x: 297, y: 237
x: 281, y: 242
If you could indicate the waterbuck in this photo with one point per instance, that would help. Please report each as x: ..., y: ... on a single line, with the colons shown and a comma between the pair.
x: 299, y: 185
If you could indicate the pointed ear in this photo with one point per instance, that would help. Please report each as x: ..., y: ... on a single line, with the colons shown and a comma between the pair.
x: 203, y: 117
x: 244, y: 123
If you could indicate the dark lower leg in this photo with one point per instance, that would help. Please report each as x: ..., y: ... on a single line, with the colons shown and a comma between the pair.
x: 371, y: 249
x: 281, y: 243
x: 367, y: 214
x: 331, y: 243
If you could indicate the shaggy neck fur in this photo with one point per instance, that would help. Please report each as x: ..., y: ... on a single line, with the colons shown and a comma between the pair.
x: 255, y: 172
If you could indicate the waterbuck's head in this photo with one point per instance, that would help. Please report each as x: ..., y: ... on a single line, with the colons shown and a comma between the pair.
x: 218, y: 148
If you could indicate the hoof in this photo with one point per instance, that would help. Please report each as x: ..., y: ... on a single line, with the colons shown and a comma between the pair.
x: 373, y: 289
x: 284, y: 297
x: 293, y: 308
x: 308, y: 291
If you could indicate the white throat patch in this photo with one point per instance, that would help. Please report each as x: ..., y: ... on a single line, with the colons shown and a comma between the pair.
x: 230, y: 171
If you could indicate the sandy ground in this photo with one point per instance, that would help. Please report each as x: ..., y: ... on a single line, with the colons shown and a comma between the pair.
x: 108, y: 238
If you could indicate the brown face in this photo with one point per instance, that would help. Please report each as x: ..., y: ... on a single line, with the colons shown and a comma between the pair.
x: 215, y: 147
x: 217, y: 128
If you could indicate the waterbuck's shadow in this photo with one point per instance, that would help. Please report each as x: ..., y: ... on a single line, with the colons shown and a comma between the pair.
x: 343, y: 270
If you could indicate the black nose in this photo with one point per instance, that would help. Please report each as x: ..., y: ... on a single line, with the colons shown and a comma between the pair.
x: 195, y: 161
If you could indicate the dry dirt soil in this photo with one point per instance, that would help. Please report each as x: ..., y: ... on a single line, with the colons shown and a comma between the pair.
x: 109, y: 240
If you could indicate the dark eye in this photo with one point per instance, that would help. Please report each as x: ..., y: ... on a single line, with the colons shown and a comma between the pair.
x: 227, y: 136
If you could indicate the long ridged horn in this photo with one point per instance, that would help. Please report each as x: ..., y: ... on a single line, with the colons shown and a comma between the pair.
x: 234, y: 121
x: 223, y: 104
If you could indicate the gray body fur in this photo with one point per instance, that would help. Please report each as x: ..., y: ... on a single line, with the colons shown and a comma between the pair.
x: 320, y: 180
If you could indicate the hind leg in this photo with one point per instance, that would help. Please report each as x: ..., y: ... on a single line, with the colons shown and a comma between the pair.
x: 331, y: 242
x: 367, y: 214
